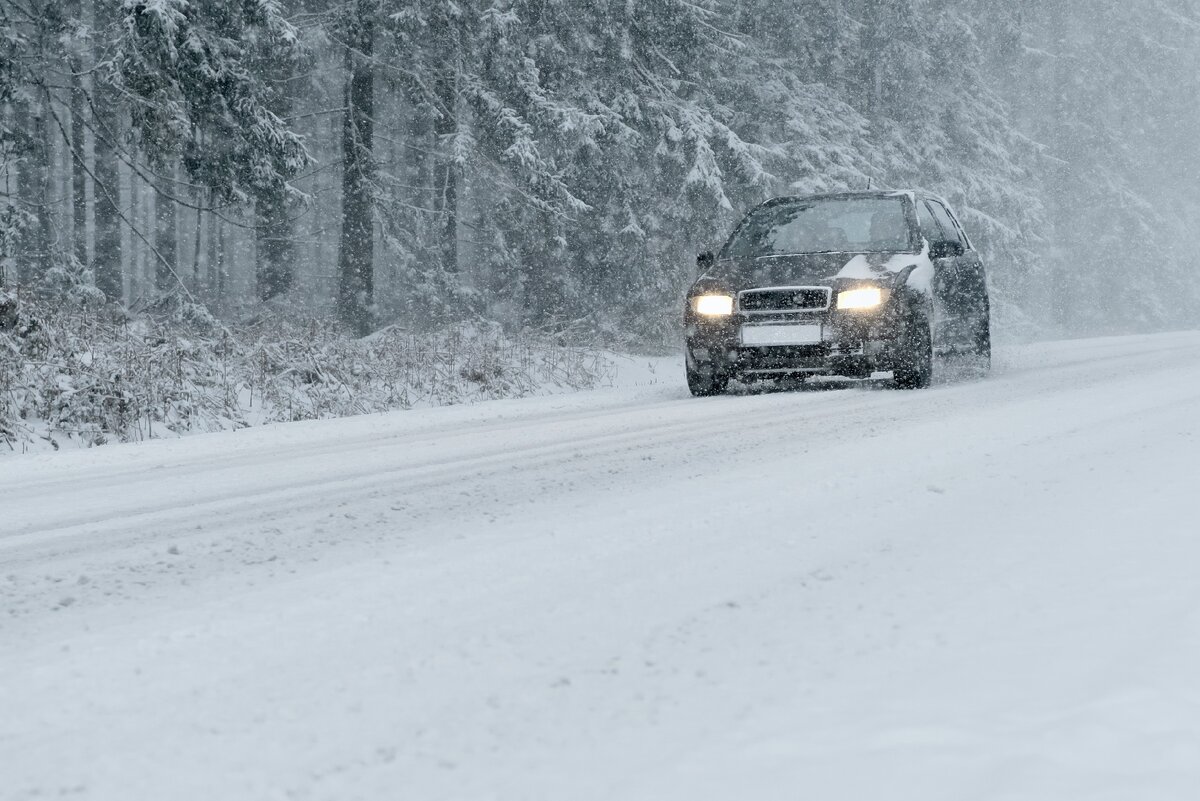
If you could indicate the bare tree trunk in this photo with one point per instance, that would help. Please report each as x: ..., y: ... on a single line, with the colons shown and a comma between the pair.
x: 874, y: 32
x: 210, y: 258
x: 198, y: 235
x: 446, y: 127
x: 356, y: 277
x: 219, y: 265
x: 106, y: 259
x: 274, y: 229
x: 274, y: 244
x: 146, y: 223
x: 445, y: 184
x: 78, y: 187
x: 44, y: 153
x: 166, y: 263
x: 33, y: 174
x: 78, y: 145
x: 26, y: 194
x: 135, y: 206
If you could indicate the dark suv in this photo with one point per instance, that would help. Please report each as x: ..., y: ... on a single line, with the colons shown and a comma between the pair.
x: 847, y: 284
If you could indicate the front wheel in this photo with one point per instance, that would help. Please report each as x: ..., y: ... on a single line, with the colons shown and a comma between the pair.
x: 983, y: 344
x: 706, y: 383
x: 914, y: 365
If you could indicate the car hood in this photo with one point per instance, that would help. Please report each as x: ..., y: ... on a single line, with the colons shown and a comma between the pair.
x: 811, y: 269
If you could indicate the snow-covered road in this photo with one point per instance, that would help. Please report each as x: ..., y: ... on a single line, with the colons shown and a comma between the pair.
x: 989, y: 590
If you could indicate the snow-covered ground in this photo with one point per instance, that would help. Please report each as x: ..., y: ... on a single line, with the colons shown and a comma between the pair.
x: 989, y: 590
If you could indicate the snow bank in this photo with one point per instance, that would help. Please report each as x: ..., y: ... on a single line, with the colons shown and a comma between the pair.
x: 71, y: 380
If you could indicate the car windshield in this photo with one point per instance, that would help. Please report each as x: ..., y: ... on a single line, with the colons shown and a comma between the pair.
x: 847, y: 225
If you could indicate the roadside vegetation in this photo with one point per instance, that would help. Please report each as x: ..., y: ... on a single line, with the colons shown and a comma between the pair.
x: 75, y: 376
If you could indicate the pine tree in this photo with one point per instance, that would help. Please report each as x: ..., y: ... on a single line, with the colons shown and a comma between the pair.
x: 108, y: 123
x: 199, y: 99
x: 356, y: 260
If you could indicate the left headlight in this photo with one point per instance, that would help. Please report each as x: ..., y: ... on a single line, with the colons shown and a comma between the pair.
x: 869, y: 297
x: 713, y: 305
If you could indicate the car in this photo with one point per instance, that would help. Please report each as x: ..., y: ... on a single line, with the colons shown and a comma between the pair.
x: 847, y: 284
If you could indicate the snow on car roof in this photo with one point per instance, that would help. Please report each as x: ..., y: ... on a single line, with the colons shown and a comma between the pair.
x: 865, y: 193
x: 911, y: 194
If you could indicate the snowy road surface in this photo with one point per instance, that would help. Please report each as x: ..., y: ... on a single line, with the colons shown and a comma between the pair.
x: 990, y: 590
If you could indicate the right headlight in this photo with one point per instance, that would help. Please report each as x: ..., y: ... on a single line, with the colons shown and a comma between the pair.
x: 863, y: 298
x: 713, y: 305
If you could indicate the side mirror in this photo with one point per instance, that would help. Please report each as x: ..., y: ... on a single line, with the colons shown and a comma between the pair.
x: 705, y: 261
x: 946, y: 249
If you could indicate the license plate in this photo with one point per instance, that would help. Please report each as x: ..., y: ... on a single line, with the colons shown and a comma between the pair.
x: 765, y: 335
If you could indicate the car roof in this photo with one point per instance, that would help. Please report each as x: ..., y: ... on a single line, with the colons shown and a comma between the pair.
x: 911, y: 194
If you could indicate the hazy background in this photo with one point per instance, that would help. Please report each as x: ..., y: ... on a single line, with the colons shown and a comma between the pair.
x: 557, y: 163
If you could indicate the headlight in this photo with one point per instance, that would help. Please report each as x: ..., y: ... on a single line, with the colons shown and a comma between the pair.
x: 713, y: 305
x: 865, y: 298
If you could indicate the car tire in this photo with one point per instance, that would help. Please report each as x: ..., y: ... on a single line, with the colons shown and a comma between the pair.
x: 914, y: 366
x: 983, y: 345
x: 706, y: 383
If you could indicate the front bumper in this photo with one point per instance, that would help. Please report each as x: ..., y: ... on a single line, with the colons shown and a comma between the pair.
x: 852, y: 345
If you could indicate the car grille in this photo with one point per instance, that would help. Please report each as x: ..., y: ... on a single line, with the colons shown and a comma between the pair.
x: 785, y: 299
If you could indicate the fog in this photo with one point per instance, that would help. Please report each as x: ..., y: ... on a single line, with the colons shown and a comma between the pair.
x: 557, y: 163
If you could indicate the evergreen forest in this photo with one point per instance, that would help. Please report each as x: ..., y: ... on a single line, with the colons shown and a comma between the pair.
x: 557, y: 164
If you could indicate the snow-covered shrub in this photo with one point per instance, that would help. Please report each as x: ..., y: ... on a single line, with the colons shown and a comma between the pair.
x: 72, y: 378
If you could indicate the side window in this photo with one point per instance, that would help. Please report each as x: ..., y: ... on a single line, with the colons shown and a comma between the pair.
x: 929, y: 228
x: 947, y: 223
x: 962, y: 232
